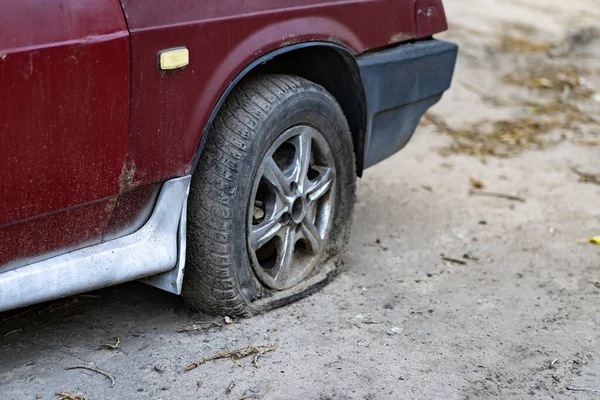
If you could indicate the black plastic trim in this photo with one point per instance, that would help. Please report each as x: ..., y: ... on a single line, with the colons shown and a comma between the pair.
x: 400, y: 85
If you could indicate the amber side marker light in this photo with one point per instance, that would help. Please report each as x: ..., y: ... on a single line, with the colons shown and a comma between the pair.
x: 175, y: 58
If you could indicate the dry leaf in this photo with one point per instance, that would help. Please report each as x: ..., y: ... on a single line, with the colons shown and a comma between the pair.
x: 476, y: 183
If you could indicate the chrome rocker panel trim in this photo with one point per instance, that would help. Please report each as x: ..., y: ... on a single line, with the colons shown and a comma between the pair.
x: 157, y: 247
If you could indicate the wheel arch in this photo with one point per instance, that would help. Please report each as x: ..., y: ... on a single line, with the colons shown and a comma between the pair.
x: 328, y: 64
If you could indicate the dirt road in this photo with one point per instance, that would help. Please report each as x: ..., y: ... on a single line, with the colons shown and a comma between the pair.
x: 444, y: 295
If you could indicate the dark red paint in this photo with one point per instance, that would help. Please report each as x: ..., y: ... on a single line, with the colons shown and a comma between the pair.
x: 132, y: 210
x: 169, y: 110
x: 85, y: 119
x: 64, y: 105
x: 40, y: 238
x: 430, y: 18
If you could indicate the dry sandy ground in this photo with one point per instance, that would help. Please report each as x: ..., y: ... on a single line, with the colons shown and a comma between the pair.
x: 517, y: 318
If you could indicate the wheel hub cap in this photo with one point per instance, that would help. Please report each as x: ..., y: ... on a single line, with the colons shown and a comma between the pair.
x: 298, y: 210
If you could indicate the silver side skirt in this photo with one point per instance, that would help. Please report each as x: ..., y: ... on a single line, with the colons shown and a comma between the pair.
x: 156, y: 248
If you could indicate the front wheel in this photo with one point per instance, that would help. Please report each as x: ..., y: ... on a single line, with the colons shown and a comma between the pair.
x: 271, y: 199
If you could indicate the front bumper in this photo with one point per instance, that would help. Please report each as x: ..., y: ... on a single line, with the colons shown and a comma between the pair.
x: 400, y: 85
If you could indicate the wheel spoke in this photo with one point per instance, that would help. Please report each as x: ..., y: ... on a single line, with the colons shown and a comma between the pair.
x: 293, y: 201
x: 286, y: 256
x: 310, y: 233
x: 303, y: 144
x: 321, y: 185
x: 265, y: 231
x: 275, y: 178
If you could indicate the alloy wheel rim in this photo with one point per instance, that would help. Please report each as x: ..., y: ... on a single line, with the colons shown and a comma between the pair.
x: 291, y: 207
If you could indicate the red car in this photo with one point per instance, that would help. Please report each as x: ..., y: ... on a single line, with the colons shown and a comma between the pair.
x: 141, y: 137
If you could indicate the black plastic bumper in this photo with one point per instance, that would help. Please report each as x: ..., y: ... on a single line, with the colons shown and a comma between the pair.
x: 400, y: 85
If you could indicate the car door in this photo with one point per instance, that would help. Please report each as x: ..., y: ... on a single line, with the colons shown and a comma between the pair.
x: 64, y: 109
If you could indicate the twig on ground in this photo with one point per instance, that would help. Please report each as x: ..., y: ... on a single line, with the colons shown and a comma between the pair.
x: 230, y: 387
x: 234, y: 355
x: 590, y: 142
x: 18, y: 315
x: 70, y: 396
x: 258, y: 355
x: 13, y: 331
x: 255, y: 360
x: 484, y: 96
x: 454, y: 260
x: 58, y: 306
x: 499, y: 195
x: 94, y: 369
x: 201, y: 326
x: 115, y: 346
x: 441, y: 124
x: 586, y: 177
x: 584, y: 116
x: 582, y: 389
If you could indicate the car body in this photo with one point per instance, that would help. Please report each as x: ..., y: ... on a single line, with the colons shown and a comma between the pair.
x: 99, y: 141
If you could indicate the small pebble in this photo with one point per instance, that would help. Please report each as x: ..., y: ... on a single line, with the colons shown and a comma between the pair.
x: 388, y: 306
